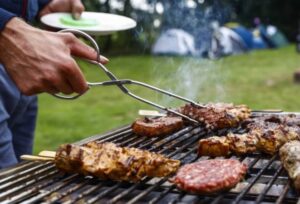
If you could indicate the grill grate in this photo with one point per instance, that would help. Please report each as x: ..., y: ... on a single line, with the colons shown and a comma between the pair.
x: 37, y: 182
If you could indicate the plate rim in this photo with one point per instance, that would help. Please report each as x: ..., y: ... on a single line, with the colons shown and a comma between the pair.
x: 88, y: 30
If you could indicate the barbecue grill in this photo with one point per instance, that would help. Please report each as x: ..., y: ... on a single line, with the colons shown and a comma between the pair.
x: 40, y: 182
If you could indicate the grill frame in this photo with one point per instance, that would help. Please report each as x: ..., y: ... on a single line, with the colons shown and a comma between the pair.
x: 35, y: 182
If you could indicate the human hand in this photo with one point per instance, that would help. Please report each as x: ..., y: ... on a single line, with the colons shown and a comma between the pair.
x: 73, y: 6
x: 40, y: 61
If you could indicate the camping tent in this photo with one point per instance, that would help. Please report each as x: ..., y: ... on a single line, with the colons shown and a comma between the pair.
x: 226, y: 42
x: 174, y: 42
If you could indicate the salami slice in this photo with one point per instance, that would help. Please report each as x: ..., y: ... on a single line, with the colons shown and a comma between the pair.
x: 210, y: 176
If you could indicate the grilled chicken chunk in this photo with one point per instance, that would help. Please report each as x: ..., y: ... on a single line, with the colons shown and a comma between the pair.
x: 152, y: 127
x: 225, y: 145
x: 214, y: 146
x: 267, y: 137
x: 242, y: 143
x: 272, y: 136
x: 109, y: 161
x: 290, y: 158
x: 217, y: 115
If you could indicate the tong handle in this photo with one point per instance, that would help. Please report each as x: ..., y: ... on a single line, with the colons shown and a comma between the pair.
x: 96, y: 47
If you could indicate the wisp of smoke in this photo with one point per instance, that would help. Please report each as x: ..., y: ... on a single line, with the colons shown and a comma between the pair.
x: 196, y: 79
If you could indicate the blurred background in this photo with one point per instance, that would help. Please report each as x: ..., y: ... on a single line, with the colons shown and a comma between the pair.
x: 239, y: 51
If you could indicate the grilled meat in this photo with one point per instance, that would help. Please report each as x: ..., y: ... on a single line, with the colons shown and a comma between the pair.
x: 152, y: 127
x: 210, y: 176
x: 242, y: 143
x: 109, y: 161
x: 271, y: 136
x: 266, y: 137
x: 214, y: 146
x: 290, y: 158
x: 232, y: 143
x: 218, y: 115
x: 290, y: 120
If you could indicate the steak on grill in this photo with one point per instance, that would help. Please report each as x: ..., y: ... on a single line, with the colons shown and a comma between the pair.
x: 109, y: 161
x: 290, y: 158
x: 152, y: 127
x: 210, y: 176
x: 217, y: 115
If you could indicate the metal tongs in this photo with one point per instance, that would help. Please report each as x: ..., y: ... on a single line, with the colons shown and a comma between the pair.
x: 121, y: 82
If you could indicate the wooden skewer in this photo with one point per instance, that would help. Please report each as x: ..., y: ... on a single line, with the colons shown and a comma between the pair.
x: 268, y: 111
x: 42, y: 156
x: 150, y: 113
x: 46, y: 153
x: 156, y: 113
x: 36, y: 158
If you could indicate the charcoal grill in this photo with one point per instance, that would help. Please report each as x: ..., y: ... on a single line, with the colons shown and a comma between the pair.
x: 41, y: 182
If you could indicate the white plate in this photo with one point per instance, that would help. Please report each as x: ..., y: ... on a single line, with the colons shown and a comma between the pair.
x: 106, y: 23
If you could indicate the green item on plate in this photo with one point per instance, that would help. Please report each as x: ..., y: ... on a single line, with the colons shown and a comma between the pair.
x: 68, y: 20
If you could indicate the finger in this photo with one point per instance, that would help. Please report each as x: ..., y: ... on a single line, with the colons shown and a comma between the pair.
x: 45, y: 11
x: 79, y: 49
x: 64, y: 87
x: 60, y: 84
x: 76, y: 79
x: 103, y: 59
x: 51, y: 89
x: 77, y: 9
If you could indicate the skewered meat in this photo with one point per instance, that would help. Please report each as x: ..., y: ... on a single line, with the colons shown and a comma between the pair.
x: 242, y: 143
x: 218, y: 115
x: 108, y: 161
x: 272, y: 136
x: 152, y: 127
x: 214, y: 146
x: 232, y: 143
x: 266, y: 137
x: 290, y: 158
x: 210, y: 176
x: 287, y: 120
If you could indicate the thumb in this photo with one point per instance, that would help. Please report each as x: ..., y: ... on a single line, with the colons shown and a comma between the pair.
x: 45, y: 11
x: 77, y: 9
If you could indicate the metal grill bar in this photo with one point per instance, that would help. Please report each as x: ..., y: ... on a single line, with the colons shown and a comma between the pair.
x: 56, y: 187
x: 35, y: 182
x: 269, y: 185
x: 25, y: 181
x: 241, y: 195
x: 103, y: 136
x: 19, y: 167
x: 104, y: 193
x: 32, y: 191
x: 283, y: 194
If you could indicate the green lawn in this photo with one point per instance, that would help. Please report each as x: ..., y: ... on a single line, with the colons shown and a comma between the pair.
x: 261, y: 79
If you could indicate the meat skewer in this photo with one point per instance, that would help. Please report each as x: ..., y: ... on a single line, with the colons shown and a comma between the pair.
x: 290, y: 158
x: 266, y: 137
x: 109, y: 161
x: 217, y: 115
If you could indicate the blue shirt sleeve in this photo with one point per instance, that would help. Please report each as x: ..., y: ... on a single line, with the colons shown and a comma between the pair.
x: 5, y: 16
x: 43, y: 3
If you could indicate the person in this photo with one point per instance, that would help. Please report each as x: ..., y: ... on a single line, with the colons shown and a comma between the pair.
x: 33, y: 61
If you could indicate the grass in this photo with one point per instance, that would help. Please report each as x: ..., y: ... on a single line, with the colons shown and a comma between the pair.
x: 260, y: 79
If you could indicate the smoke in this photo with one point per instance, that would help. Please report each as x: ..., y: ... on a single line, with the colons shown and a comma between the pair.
x: 198, y: 79
x: 195, y: 78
